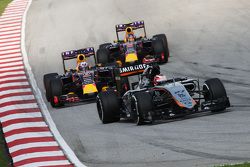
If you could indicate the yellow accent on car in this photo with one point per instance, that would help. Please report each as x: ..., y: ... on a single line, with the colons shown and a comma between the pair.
x: 89, y: 88
x: 104, y: 89
x: 131, y: 57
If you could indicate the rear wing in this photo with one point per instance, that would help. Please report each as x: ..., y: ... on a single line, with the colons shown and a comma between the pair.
x: 134, y: 25
x: 67, y: 55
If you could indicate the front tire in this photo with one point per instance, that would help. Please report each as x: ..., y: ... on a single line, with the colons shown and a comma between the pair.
x: 143, y: 106
x: 215, y: 90
x: 108, y: 107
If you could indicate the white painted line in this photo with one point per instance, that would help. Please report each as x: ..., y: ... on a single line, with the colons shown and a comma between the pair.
x: 13, y: 15
x: 47, y: 163
x: 10, y: 28
x: 24, y: 125
x: 10, y: 40
x: 27, y: 135
x: 9, y: 36
x: 32, y: 145
x: 9, y: 32
x: 4, y: 23
x: 11, y: 68
x: 17, y: 24
x: 10, y: 55
x: 10, y: 47
x: 67, y: 150
x: 17, y: 98
x: 11, y: 59
x: 37, y: 155
x: 21, y: 115
x: 18, y: 106
x: 11, y: 73
x: 15, y: 91
x: 12, y: 64
x: 5, y: 85
x: 11, y: 78
x: 10, y: 44
x: 9, y: 51
x: 8, y: 19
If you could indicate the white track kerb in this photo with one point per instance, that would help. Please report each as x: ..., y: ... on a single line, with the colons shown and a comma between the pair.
x: 66, y: 149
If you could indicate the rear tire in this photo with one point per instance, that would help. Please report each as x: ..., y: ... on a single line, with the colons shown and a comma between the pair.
x: 108, y: 107
x: 164, y: 40
x: 102, y: 56
x: 143, y: 106
x: 214, y: 90
x: 104, y: 45
x: 46, y: 82
x: 56, y: 89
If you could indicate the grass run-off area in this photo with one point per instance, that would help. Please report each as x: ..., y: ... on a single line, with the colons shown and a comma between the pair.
x: 246, y: 164
x: 3, y: 4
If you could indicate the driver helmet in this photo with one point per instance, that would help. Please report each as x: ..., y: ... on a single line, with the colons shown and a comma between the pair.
x: 81, y: 58
x: 83, y: 66
x: 131, y: 38
x: 158, y: 79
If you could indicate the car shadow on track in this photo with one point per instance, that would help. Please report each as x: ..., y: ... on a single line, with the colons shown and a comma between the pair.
x: 181, y: 118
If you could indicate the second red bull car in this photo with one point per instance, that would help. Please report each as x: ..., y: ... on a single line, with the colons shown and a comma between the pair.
x: 134, y: 46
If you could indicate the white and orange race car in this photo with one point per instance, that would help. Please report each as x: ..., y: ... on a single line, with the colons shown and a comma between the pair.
x: 155, y: 97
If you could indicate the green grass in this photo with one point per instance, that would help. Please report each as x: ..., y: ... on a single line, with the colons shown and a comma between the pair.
x: 4, y: 158
x: 246, y: 164
x: 3, y: 4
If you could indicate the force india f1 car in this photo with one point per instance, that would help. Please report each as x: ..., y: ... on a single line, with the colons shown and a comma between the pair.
x: 134, y: 48
x: 76, y: 85
x: 155, y: 98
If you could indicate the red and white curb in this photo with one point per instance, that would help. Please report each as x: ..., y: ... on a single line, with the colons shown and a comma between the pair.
x: 29, y: 131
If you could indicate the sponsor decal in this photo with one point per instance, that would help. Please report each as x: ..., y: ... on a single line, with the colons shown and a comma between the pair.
x: 133, y: 68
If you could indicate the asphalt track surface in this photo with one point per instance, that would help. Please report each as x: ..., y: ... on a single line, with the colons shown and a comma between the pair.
x: 206, y: 39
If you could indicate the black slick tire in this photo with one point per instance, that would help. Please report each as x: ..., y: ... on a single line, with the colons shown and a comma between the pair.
x: 46, y: 82
x: 143, y: 107
x: 108, y: 107
x: 214, y: 90
x: 56, y: 89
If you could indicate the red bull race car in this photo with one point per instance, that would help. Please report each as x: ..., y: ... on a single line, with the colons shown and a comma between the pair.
x: 155, y: 97
x: 78, y: 84
x: 134, y: 47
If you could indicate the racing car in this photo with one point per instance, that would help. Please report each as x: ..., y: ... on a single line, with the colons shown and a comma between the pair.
x: 134, y: 48
x: 156, y: 98
x: 77, y: 84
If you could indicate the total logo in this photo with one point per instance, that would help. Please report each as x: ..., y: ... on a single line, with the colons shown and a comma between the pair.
x: 133, y: 68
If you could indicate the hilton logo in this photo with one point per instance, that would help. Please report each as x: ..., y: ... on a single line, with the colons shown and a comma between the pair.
x: 133, y: 68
